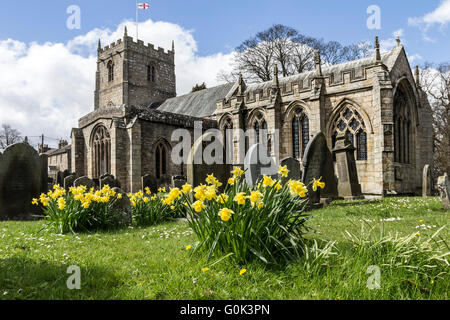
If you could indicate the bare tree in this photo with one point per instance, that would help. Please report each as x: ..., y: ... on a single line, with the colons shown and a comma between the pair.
x: 435, y: 81
x: 292, y: 51
x: 8, y: 136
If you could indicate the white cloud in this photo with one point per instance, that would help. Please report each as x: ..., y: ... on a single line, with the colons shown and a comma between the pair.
x: 46, y: 88
x: 440, y: 16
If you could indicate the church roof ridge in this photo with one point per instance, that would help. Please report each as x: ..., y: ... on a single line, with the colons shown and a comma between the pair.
x: 387, y: 58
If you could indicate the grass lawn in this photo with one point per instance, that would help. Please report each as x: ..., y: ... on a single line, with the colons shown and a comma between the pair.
x: 152, y: 263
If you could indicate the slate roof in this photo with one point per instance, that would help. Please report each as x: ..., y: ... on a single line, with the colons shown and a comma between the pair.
x: 388, y: 59
x: 53, y: 152
x: 203, y: 103
x: 197, y: 104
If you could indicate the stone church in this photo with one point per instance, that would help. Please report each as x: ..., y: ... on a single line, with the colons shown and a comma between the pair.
x: 376, y: 101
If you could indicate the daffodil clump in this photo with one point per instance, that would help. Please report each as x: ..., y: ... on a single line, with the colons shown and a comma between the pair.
x: 79, y: 209
x: 153, y: 208
x: 265, y: 222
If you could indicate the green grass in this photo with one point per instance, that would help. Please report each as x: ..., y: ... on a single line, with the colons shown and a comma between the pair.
x: 152, y: 263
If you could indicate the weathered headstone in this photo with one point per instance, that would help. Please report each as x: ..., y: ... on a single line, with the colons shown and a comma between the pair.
x: 318, y: 163
x: 84, y: 181
x: 197, y: 172
x: 108, y: 180
x: 348, y: 187
x: 178, y: 181
x: 122, y: 206
x: 69, y: 180
x: 20, y: 181
x: 293, y: 165
x: 444, y: 190
x: 149, y: 181
x: 61, y: 176
x: 44, y: 172
x: 257, y: 164
x: 426, y: 181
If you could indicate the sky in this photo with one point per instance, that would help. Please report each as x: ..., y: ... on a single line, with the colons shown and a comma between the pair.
x: 47, y: 68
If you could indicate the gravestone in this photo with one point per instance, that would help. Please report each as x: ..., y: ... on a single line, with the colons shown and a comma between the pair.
x: 44, y: 172
x: 123, y: 207
x: 69, y: 181
x: 84, y: 181
x: 149, y: 181
x: 108, y: 180
x: 293, y: 165
x: 61, y: 176
x: 318, y: 163
x: 444, y: 191
x: 178, y: 181
x: 426, y: 181
x: 256, y: 166
x: 197, y: 172
x: 348, y: 187
x: 20, y: 181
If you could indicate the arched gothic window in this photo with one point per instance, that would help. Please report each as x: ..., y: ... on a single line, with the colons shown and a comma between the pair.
x: 227, y: 131
x: 260, y: 127
x: 161, y: 160
x: 153, y: 74
x: 350, y: 122
x: 402, y: 130
x: 149, y: 73
x: 300, y: 133
x: 101, y: 150
x: 110, y: 71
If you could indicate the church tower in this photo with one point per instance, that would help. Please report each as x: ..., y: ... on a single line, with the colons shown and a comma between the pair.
x: 132, y: 73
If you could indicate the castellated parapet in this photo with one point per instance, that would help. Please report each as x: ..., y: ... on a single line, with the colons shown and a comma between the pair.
x: 134, y: 73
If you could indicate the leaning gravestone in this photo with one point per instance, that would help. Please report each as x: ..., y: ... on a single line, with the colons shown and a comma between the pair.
x: 108, y: 180
x: 20, y: 181
x: 293, y: 165
x: 348, y: 187
x: 257, y: 164
x: 149, y: 181
x: 123, y: 207
x: 198, y: 170
x: 84, y: 181
x: 426, y: 181
x: 61, y: 176
x: 444, y: 191
x: 69, y: 180
x: 178, y: 181
x: 318, y: 163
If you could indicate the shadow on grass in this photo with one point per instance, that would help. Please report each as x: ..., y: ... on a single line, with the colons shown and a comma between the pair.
x: 27, y: 279
x: 355, y: 202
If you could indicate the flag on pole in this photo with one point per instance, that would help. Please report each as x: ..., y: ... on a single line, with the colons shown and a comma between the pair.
x: 143, y: 6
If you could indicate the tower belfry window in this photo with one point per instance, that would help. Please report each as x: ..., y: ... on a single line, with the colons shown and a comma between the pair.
x: 110, y: 71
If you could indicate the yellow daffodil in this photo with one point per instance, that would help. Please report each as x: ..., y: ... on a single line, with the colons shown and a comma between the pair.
x: 240, y: 198
x: 231, y: 181
x: 267, y: 181
x: 225, y: 214
x: 223, y: 198
x: 318, y: 183
x: 283, y: 171
x: 260, y: 206
x: 198, y: 206
x: 186, y: 188
x: 237, y: 172
x: 297, y: 188
x: 35, y: 202
x: 242, y: 272
x: 147, y: 190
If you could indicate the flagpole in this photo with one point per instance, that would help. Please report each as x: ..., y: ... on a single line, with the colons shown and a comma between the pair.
x: 137, y: 21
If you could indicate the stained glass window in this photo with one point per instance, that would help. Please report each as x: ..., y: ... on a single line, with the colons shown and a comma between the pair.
x: 300, y: 139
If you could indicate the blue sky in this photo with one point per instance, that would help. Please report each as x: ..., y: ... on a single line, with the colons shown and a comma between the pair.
x: 220, y: 26
x: 47, y: 70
